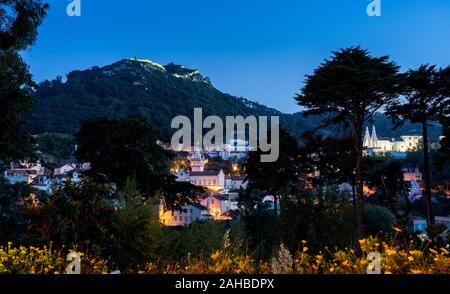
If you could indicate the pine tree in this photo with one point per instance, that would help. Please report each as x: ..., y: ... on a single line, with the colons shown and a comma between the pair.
x: 424, y: 100
x: 349, y: 89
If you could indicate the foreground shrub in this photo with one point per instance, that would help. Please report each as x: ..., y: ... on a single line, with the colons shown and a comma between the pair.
x: 395, y: 258
x: 32, y: 260
x: 405, y: 257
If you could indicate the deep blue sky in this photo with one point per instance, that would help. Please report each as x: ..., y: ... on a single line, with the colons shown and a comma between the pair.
x: 260, y: 50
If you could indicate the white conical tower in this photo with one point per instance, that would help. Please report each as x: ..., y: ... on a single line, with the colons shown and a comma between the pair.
x: 374, y: 137
x: 367, y: 140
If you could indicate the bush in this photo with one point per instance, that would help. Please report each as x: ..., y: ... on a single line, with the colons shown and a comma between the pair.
x: 411, y: 258
x: 32, y: 260
x: 377, y: 219
x: 135, y: 234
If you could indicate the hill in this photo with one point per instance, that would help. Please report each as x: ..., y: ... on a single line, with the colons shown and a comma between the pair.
x: 143, y: 87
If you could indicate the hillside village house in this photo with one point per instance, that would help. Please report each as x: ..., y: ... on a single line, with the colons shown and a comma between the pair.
x: 23, y: 172
x: 63, y: 169
x: 42, y: 178
x: 218, y: 203
x: 184, y: 217
x: 219, y: 206
x: 212, y: 180
x: 383, y: 145
x: 235, y: 182
x: 410, y: 175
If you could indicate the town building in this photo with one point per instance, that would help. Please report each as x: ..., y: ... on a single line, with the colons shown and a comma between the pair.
x: 212, y: 180
x: 219, y: 206
x: 412, y: 174
x: 184, y: 217
x: 385, y: 145
x: 235, y: 182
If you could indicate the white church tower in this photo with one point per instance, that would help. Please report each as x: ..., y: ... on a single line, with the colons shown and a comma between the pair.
x: 374, y: 138
x: 367, y: 140
x: 198, y: 161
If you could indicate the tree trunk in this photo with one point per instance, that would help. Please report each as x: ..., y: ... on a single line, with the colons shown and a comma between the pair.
x: 359, y: 185
x: 275, y: 206
x: 426, y: 174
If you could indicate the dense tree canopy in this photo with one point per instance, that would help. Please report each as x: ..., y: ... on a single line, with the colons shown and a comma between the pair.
x: 15, y: 100
x: 19, y: 20
x: 121, y: 148
x: 443, y: 157
x: 424, y: 93
x: 278, y: 178
x: 349, y: 88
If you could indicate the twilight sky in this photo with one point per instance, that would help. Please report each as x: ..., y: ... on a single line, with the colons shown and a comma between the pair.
x: 260, y: 50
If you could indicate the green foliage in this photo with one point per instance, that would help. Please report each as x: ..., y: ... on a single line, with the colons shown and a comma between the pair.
x: 198, y: 239
x: 61, y: 146
x: 442, y: 158
x: 378, y: 219
x: 121, y: 148
x: 76, y: 214
x: 441, y: 207
x: 18, y: 30
x: 15, y: 101
x: 277, y: 178
x: 135, y: 234
x: 19, y: 21
x: 130, y: 87
x: 118, y: 149
x: 12, y: 219
x: 385, y: 176
x: 425, y: 94
x: 331, y: 157
x: 349, y: 89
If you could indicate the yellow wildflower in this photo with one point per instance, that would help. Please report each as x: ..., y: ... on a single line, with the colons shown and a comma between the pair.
x: 391, y: 252
x: 433, y: 251
x: 215, y: 255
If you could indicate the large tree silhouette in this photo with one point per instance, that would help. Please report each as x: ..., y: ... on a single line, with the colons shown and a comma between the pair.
x: 122, y: 148
x: 278, y: 179
x: 19, y: 20
x: 424, y: 100
x: 348, y: 89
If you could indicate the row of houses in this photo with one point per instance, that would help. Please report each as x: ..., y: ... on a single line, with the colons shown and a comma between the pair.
x: 211, y: 206
x: 374, y: 144
x: 44, y: 178
x: 218, y: 203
